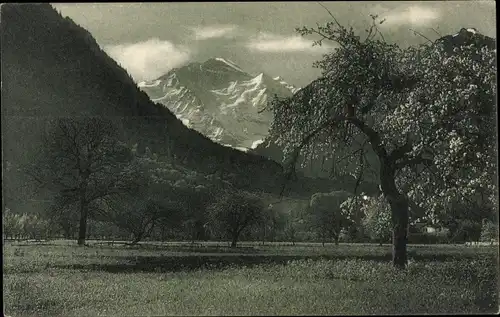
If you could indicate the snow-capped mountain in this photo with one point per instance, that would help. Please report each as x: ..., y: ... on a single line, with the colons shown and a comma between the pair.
x: 465, y: 37
x: 220, y: 100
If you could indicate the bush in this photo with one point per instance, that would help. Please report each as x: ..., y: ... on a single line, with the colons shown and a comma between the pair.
x: 465, y: 231
x: 329, y: 219
x: 489, y: 231
x: 377, y: 220
x: 428, y: 238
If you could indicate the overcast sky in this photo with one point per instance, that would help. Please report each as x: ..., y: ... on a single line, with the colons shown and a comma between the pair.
x: 149, y: 39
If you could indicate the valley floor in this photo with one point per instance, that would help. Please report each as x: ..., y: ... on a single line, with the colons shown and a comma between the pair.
x: 57, y: 278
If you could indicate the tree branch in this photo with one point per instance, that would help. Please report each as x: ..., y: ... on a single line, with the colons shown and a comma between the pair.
x: 361, y: 171
x: 372, y: 135
x: 330, y: 13
x: 399, y: 152
x: 415, y: 32
x: 290, y: 165
x: 413, y: 162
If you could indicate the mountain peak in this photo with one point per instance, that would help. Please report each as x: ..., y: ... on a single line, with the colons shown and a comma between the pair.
x: 464, y: 37
x: 466, y: 32
x: 228, y: 62
x: 219, y: 99
x: 223, y: 62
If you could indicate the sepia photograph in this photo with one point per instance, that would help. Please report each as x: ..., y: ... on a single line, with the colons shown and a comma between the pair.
x: 249, y: 158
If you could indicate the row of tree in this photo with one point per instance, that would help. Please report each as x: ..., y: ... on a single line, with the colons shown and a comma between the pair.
x: 233, y: 215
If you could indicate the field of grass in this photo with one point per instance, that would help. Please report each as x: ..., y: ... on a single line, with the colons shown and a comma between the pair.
x: 57, y: 278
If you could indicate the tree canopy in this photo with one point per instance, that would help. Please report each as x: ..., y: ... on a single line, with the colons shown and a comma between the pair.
x: 234, y: 211
x: 328, y: 216
x: 426, y: 112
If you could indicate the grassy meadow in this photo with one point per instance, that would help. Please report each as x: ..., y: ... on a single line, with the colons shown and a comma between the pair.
x: 57, y: 278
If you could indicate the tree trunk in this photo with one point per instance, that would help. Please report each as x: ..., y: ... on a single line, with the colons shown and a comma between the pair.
x: 162, y: 233
x: 234, y: 241
x: 399, y: 214
x: 336, y: 240
x: 82, y: 231
x: 137, y: 238
x: 399, y: 208
x: 67, y: 232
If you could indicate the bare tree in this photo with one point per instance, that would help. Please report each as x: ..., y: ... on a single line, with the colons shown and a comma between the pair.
x: 83, y: 161
x: 234, y: 211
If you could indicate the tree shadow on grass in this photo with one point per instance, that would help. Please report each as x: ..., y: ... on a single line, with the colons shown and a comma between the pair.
x: 221, y: 261
x: 194, y: 262
x: 188, y: 248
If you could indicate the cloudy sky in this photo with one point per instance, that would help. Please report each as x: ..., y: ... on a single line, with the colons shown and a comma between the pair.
x: 149, y: 39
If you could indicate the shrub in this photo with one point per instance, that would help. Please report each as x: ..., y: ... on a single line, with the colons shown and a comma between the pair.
x: 377, y: 220
x: 428, y: 238
x: 489, y: 231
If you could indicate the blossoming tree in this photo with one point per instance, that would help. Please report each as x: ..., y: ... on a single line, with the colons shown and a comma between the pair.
x: 426, y: 111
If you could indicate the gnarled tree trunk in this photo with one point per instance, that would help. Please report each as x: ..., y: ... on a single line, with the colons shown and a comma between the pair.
x: 399, y: 214
x: 399, y: 208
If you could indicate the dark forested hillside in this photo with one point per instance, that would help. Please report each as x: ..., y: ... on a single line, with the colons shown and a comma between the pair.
x: 52, y: 67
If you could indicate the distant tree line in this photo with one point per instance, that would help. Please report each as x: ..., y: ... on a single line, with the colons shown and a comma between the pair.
x: 98, y: 187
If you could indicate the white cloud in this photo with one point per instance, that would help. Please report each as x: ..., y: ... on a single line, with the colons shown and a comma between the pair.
x: 276, y: 43
x: 413, y: 15
x: 487, y: 2
x: 213, y: 31
x: 149, y: 59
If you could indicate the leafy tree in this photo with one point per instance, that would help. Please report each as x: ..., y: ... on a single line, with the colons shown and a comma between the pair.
x: 489, y: 231
x: 354, y: 207
x: 169, y: 196
x: 426, y: 113
x: 377, y: 220
x: 274, y: 223
x: 234, y: 211
x: 63, y: 215
x: 83, y: 161
x: 25, y: 225
x: 36, y: 228
x: 327, y: 215
x: 291, y: 229
x: 12, y: 225
x: 464, y: 219
x: 137, y: 216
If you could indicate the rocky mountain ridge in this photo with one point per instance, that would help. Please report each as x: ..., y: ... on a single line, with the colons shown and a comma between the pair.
x: 220, y: 100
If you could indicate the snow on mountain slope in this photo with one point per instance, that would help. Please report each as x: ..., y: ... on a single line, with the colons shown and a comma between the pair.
x: 230, y: 63
x: 292, y: 88
x: 220, y: 100
x: 146, y: 84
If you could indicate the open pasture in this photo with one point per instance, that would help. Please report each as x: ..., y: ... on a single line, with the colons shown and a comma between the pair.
x: 57, y: 278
